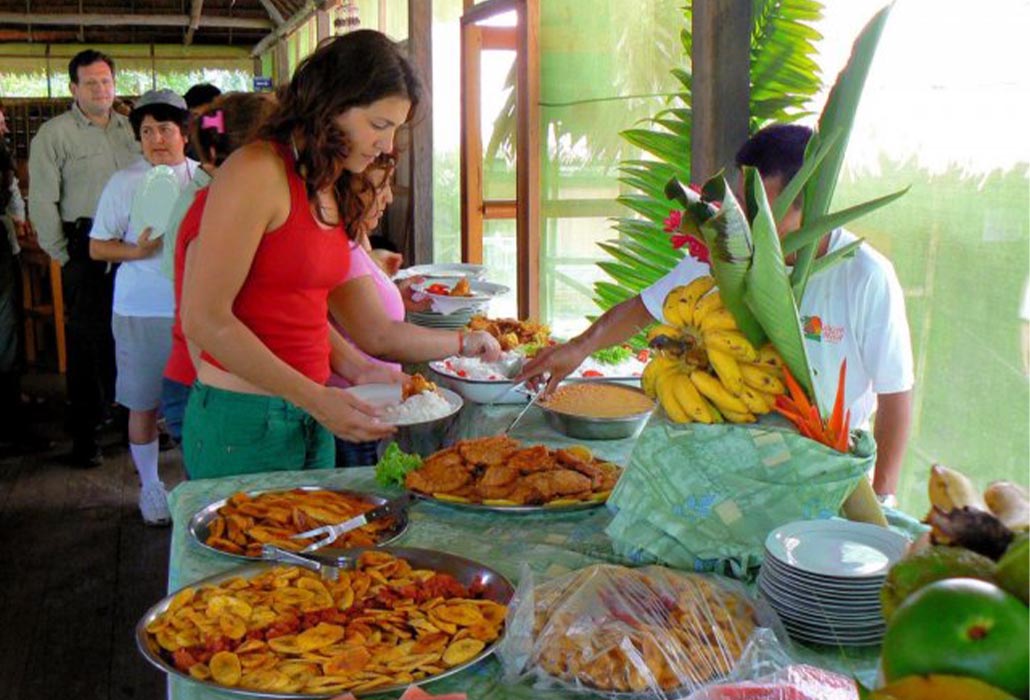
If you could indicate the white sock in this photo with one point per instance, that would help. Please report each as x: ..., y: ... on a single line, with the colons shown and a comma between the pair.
x: 145, y: 458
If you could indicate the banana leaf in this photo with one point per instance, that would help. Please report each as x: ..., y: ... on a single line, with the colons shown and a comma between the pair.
x: 811, y: 231
x: 730, y: 248
x: 837, y: 115
x: 626, y: 256
x: 662, y: 145
x: 814, y: 155
x: 831, y: 259
x: 768, y: 293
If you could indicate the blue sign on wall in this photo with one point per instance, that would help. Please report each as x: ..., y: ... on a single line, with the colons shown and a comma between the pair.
x: 262, y: 83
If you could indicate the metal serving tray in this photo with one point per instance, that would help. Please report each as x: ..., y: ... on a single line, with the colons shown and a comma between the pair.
x: 497, y: 588
x: 199, y: 525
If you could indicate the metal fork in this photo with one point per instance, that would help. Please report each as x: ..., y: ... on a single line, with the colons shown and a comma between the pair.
x: 328, y: 571
x: 330, y: 533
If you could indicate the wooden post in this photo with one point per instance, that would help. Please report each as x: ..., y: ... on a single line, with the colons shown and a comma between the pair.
x: 721, y: 85
x: 471, y: 146
x: 323, y: 25
x: 420, y: 203
x: 528, y: 147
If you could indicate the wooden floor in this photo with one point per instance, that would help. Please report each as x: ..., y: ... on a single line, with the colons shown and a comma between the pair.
x: 79, y: 569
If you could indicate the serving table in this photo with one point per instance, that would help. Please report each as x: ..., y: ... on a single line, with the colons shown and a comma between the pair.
x: 551, y: 544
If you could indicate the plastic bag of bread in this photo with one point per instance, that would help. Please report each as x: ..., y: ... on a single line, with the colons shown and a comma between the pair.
x: 652, y: 632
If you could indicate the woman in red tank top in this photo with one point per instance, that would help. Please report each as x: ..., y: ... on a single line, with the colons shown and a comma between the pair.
x: 269, y: 251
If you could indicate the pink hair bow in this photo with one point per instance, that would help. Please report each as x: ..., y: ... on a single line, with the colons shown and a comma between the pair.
x: 214, y: 121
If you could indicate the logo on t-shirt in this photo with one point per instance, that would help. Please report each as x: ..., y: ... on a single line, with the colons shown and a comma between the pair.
x: 818, y: 331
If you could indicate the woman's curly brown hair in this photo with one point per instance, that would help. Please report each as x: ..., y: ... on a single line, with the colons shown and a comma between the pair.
x: 364, y: 190
x: 352, y: 70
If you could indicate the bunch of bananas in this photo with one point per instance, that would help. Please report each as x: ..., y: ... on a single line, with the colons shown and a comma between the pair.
x: 703, y: 369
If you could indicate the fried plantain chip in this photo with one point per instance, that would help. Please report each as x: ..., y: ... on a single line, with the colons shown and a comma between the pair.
x: 461, y: 651
x: 225, y: 668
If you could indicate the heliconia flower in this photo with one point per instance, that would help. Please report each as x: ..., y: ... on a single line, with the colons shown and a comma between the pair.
x: 673, y: 221
x: 695, y: 246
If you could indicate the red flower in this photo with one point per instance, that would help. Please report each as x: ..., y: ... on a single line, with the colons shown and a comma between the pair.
x: 672, y: 223
x: 696, y: 247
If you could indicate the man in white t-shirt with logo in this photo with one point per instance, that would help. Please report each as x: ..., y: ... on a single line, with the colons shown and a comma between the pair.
x: 855, y: 309
x: 144, y: 305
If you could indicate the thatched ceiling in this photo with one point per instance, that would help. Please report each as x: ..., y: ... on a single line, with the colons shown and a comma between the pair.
x: 224, y: 22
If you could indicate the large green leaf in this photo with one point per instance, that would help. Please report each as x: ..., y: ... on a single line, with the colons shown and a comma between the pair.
x: 768, y: 291
x: 811, y: 231
x: 838, y: 116
x: 663, y: 145
x: 645, y: 206
x: 730, y: 248
x: 628, y: 256
x: 784, y: 76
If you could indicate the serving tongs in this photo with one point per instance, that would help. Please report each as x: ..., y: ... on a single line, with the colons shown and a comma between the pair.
x: 330, y: 533
x: 328, y: 568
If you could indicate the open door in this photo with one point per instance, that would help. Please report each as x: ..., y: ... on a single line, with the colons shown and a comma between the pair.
x: 500, y: 148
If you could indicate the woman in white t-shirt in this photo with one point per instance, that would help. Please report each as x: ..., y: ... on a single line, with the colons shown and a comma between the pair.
x: 144, y: 304
x: 855, y: 309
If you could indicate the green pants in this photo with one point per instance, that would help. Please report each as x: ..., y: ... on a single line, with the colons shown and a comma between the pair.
x: 226, y: 433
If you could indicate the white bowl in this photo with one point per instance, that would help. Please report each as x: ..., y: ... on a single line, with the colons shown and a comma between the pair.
x: 423, y: 438
x: 476, y: 272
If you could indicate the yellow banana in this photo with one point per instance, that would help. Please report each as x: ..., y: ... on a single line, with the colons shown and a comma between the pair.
x: 664, y: 329
x: 713, y: 390
x: 718, y: 320
x: 690, y: 399
x: 672, y: 407
x: 679, y: 302
x: 728, y: 370
x: 734, y: 417
x: 950, y: 489
x: 757, y: 378
x: 659, y: 365
x: 1009, y: 502
x: 671, y: 309
x: 755, y: 400
x: 732, y: 342
x: 706, y: 305
x: 770, y: 359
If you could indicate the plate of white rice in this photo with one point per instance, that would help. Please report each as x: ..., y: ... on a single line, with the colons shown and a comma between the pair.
x: 421, y: 408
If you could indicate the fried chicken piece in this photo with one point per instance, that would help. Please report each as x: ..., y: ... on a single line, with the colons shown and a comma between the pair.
x: 488, y: 451
x: 532, y: 459
x: 438, y: 476
x: 570, y: 460
x: 498, y: 475
x: 610, y: 474
x: 509, y: 341
x: 416, y: 385
x: 449, y: 457
x: 525, y: 494
x: 462, y: 288
x: 487, y: 492
x: 558, y: 482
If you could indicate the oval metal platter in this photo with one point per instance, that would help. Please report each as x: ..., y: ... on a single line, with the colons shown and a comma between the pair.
x: 200, y: 522
x: 514, y: 510
x: 497, y: 588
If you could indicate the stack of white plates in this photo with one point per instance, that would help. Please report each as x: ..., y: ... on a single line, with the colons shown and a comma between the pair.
x: 823, y: 578
x: 430, y: 319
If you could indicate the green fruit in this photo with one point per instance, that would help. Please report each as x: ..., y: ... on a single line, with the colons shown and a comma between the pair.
x: 928, y: 565
x: 961, y: 627
x: 1013, y: 572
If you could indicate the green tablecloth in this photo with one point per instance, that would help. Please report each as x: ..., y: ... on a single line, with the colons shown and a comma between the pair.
x: 552, y: 544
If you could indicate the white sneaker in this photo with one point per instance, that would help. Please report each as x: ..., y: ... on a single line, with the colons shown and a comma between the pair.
x: 153, y: 504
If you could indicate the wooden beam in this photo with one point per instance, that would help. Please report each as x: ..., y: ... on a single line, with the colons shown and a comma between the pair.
x: 420, y: 208
x: 196, y: 7
x: 286, y: 28
x: 721, y: 86
x: 527, y: 159
x: 499, y: 38
x: 471, y: 145
x: 498, y: 209
x: 122, y: 20
x: 273, y: 12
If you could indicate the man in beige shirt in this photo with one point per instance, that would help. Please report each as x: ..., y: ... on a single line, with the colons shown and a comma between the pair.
x: 70, y: 160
